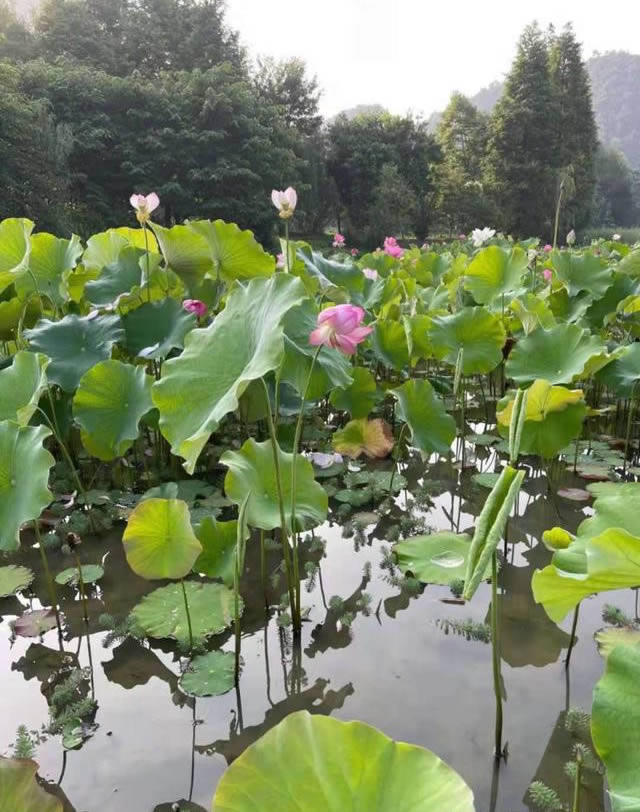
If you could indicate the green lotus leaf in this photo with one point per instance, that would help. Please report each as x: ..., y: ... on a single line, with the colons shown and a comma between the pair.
x: 159, y: 541
x: 438, y: 558
x: 371, y: 437
x: 495, y: 271
x: 579, y: 272
x: 389, y: 341
x: 185, y: 252
x: 14, y: 579
x: 432, y: 429
x: 613, y: 562
x: 50, y: 262
x: 21, y: 385
x: 20, y: 790
x: 218, y: 556
x: 613, y: 636
x: 332, y: 368
x: 90, y: 574
x: 139, y: 238
x: 360, y: 397
x: 243, y: 343
x: 328, y: 272
x: 103, y: 249
x: 617, y: 504
x: 117, y: 278
x: 615, y: 726
x: 631, y: 263
x: 156, y: 328
x: 210, y: 674
x: 553, y: 417
x: 162, y: 613
x: 532, y: 312
x: 15, y: 313
x: 74, y: 344
x: 418, y: 335
x: 562, y: 354
x: 335, y: 766
x: 108, y: 405
x: 251, y: 470
x: 623, y: 374
x: 24, y: 474
x: 485, y: 480
x: 234, y: 253
x: 15, y: 247
x: 476, y: 331
x: 605, y: 306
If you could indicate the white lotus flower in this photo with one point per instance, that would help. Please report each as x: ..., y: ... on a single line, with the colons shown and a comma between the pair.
x: 617, y: 237
x: 481, y: 235
x: 285, y: 202
x: 144, y: 205
x: 532, y: 254
x: 571, y: 237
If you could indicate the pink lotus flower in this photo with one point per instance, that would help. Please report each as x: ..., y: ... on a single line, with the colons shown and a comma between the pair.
x: 548, y: 248
x: 354, y: 252
x: 338, y: 240
x: 144, y: 206
x: 392, y: 248
x: 195, y: 306
x: 425, y: 246
x: 280, y: 261
x: 462, y: 236
x: 285, y: 202
x: 370, y: 273
x: 339, y: 327
x: 547, y: 274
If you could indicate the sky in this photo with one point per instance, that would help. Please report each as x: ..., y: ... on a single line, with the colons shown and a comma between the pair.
x: 412, y: 54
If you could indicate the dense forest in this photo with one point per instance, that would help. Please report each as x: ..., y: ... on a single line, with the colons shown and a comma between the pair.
x: 102, y: 97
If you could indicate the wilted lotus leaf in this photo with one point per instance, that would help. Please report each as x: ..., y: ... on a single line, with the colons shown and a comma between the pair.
x: 608, y: 639
x: 371, y: 437
x: 14, y: 579
x: 35, y: 623
x: 19, y: 789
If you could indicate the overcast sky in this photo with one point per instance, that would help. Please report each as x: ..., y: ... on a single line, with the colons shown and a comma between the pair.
x: 412, y: 54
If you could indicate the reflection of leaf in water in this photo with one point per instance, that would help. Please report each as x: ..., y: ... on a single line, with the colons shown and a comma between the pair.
x: 40, y: 662
x: 315, y: 700
x: 184, y: 806
x: 551, y: 770
x: 527, y: 635
x: 329, y: 634
x: 133, y: 665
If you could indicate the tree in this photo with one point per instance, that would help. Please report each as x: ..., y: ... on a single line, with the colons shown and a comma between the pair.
x: 16, y: 40
x: 393, y: 207
x: 521, y: 155
x: 285, y: 85
x: 575, y: 137
x: 614, y: 203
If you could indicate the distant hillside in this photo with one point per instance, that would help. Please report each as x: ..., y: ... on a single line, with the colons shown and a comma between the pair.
x: 615, y: 84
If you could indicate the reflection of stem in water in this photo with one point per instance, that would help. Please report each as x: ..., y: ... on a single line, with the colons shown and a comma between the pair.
x: 296, y: 665
x: 283, y: 660
x: 572, y: 642
x: 83, y: 593
x: 193, y: 750
x: 495, y: 649
x: 64, y: 767
x: 495, y: 786
x: 567, y: 689
x: 93, y: 687
x: 239, y: 705
x: 263, y: 569
x: 50, y: 583
x: 267, y: 666
x: 324, y: 599
x: 576, y: 784
x: 186, y: 609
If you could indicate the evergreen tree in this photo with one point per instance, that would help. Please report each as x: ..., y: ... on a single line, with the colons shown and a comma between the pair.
x: 521, y: 155
x: 575, y: 137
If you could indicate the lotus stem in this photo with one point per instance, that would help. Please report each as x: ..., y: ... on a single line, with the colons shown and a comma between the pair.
x: 576, y: 784
x: 263, y: 569
x: 495, y: 650
x: 53, y: 596
x: 283, y: 522
x: 395, y: 464
x: 628, y: 432
x: 286, y: 241
x: 557, y: 219
x: 237, y: 575
x: 148, y: 274
x: 83, y: 594
x: 572, y: 642
x: 188, y: 613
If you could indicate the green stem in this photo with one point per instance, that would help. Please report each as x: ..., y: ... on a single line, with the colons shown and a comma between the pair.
x: 186, y: 609
x: 263, y: 568
x: 462, y: 420
x: 283, y: 522
x: 37, y: 289
x: 146, y: 248
x: 286, y: 240
x: 495, y: 649
x: 53, y: 596
x: 66, y: 454
x: 628, y: 432
x: 576, y: 786
x: 572, y: 642
x: 395, y: 465
x: 294, y: 459
x: 557, y: 220
x: 83, y: 594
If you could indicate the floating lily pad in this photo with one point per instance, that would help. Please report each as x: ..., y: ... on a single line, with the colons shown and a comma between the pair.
x: 482, y: 439
x: 90, y: 574
x: 210, y: 674
x: 162, y: 612
x: 33, y: 624
x: 371, y: 437
x: 14, y: 579
x: 438, y: 558
x: 575, y: 494
x: 485, y: 480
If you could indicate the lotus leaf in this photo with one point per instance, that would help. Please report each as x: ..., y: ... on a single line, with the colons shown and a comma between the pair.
x: 14, y: 579
x: 20, y: 790
x: 21, y: 386
x: 90, y: 574
x: 159, y: 541
x: 580, y: 272
x: 495, y: 271
x: 117, y: 278
x: 476, y: 331
x: 358, y: 398
x: 156, y: 328
x: 109, y: 403
x: 74, y: 344
x: 205, y: 383
x: 438, y: 558
x: 610, y: 638
x: 24, y: 475
x: 371, y: 437
x: 210, y: 674
x: 218, y: 556
x: 612, y: 562
x: 332, y: 368
x: 603, y: 307
x: 15, y: 247
x: 36, y: 623
x: 252, y: 471
x: 389, y: 342
x: 234, y: 253
x: 432, y: 429
x: 532, y: 312
x: 162, y: 612
x: 623, y: 373
x: 615, y: 726
x: 186, y: 253
x: 329, y: 272
x: 617, y: 504
x: 51, y: 260
x: 353, y: 766
x: 562, y: 354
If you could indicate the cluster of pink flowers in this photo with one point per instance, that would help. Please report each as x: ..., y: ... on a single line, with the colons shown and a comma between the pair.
x: 392, y: 248
x: 354, y: 252
x: 195, y: 306
x: 548, y: 248
x: 339, y: 327
x: 338, y: 240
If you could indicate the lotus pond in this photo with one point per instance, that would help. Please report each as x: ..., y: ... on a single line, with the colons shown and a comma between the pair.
x: 264, y: 522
